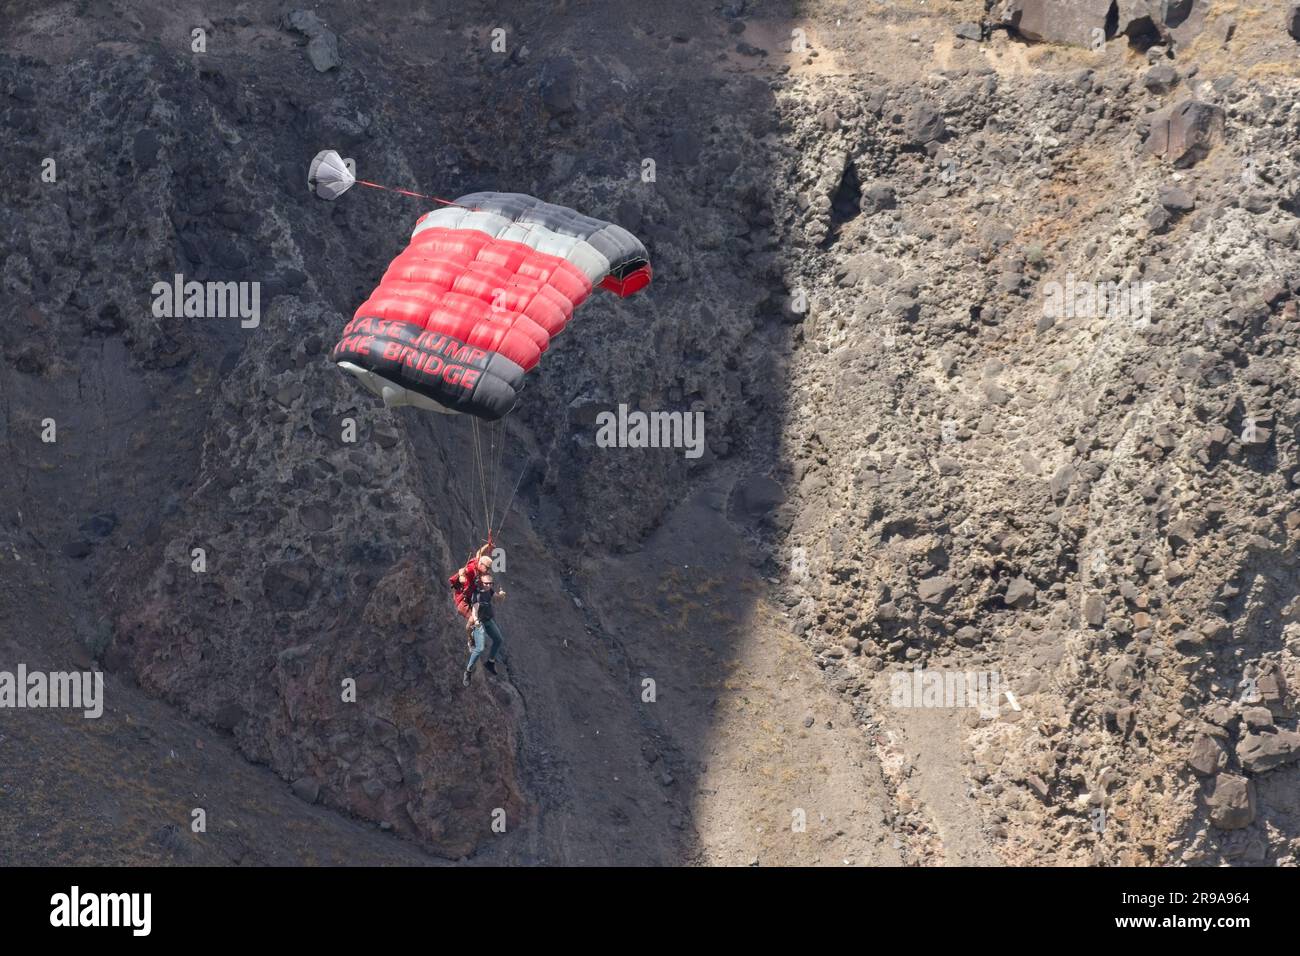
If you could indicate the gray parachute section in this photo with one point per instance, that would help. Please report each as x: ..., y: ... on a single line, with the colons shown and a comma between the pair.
x: 620, y: 248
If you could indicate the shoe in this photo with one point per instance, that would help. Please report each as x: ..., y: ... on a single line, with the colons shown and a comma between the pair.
x: 491, y: 666
x: 464, y: 681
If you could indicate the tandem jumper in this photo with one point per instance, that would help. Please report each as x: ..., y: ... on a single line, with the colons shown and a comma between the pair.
x: 466, y: 310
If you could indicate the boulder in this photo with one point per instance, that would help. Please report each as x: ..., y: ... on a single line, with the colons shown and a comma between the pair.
x: 881, y: 197
x: 307, y: 789
x: 937, y: 590
x: 1257, y: 718
x: 1175, y: 199
x: 1215, y: 629
x: 1020, y: 594
x: 315, y: 517
x: 1094, y: 610
x: 1071, y: 22
x: 1272, y: 690
x: 1161, y: 78
x: 559, y: 87
x: 1185, y: 133
x: 323, y: 52
x: 288, y: 584
x: 305, y: 22
x: 1232, y: 802
x: 925, y: 125
x: 322, y: 44
x: 758, y: 495
x: 1061, y: 481
x: 1168, y: 23
x: 1207, y: 757
x: 1259, y: 752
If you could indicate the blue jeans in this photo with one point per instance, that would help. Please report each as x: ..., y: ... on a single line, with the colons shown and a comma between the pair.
x: 493, y: 632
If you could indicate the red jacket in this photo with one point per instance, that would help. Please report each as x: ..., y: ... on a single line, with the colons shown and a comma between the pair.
x: 471, y: 572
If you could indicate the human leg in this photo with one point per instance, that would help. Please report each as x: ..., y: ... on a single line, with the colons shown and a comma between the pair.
x: 476, y: 648
x: 494, y: 632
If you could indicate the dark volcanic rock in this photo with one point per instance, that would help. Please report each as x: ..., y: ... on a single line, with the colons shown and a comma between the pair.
x: 288, y: 585
x: 758, y: 495
x: 559, y: 86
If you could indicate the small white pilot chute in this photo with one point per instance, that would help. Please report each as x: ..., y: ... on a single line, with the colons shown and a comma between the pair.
x: 329, y: 175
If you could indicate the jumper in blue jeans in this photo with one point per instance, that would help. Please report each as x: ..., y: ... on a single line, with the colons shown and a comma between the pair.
x: 494, y: 632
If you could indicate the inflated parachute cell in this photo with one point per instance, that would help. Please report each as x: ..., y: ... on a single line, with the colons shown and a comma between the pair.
x: 474, y: 300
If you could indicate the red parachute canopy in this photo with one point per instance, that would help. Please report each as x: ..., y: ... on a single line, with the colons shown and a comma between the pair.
x: 468, y: 308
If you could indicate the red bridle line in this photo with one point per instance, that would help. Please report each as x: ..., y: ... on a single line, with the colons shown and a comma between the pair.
x: 407, y: 192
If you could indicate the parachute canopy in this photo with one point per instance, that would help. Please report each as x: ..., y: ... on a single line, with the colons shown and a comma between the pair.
x: 468, y: 308
x: 329, y: 176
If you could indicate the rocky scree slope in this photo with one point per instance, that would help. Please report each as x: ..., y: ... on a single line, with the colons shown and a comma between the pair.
x: 1099, y: 504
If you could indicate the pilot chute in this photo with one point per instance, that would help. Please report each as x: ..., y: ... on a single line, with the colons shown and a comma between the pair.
x: 329, y: 175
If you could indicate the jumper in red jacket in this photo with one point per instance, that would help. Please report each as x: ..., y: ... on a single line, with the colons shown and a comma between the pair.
x: 462, y: 593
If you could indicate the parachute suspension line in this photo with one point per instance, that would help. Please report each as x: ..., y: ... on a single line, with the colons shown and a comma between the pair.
x: 499, y: 441
x: 501, y: 460
x: 473, y: 425
x: 487, y: 505
x: 489, y: 486
x: 491, y: 471
x: 518, y: 481
x: 482, y: 483
x: 485, y: 435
